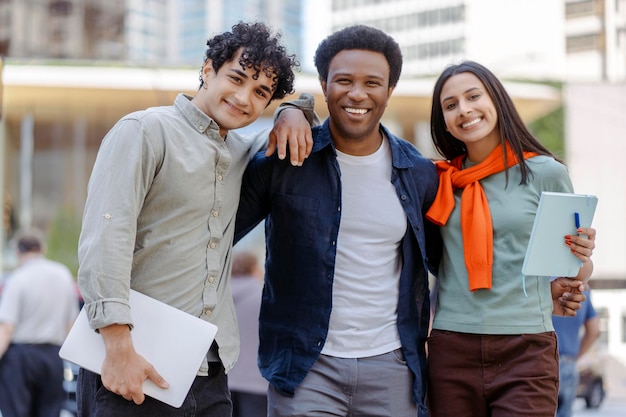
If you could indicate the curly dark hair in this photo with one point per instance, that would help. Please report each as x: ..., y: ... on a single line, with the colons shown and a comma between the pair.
x: 510, y: 124
x: 359, y: 37
x: 262, y: 51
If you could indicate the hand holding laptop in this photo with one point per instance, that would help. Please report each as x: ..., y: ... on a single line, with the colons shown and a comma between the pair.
x: 174, y: 342
x: 124, y: 370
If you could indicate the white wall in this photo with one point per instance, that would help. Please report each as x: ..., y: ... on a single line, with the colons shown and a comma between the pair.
x: 595, y: 128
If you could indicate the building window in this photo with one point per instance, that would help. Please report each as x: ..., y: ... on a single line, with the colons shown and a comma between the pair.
x: 445, y: 48
x: 582, y: 43
x: 438, y: 17
x: 583, y: 8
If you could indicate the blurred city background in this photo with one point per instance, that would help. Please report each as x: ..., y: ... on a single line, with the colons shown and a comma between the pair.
x: 71, y: 68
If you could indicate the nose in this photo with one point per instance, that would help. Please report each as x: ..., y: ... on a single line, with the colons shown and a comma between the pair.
x: 464, y: 107
x: 357, y: 92
x: 243, y: 96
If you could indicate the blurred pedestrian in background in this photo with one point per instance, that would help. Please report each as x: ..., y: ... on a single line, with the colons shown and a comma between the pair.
x: 572, y: 345
x: 248, y: 388
x: 38, y: 306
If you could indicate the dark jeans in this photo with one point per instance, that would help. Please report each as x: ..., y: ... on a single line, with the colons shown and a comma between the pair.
x: 31, y: 381
x: 208, y: 397
x: 246, y: 404
x: 474, y: 375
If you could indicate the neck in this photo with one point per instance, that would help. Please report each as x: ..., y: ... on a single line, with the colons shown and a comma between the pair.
x: 358, y: 146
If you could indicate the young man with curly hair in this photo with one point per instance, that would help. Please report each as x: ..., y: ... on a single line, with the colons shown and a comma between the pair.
x: 159, y: 219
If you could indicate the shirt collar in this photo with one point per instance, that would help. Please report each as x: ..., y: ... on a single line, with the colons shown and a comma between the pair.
x: 196, y: 117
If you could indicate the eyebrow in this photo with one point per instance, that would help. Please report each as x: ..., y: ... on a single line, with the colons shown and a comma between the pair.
x: 242, y: 74
x: 464, y: 92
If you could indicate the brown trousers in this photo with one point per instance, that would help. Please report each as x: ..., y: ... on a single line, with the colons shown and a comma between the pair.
x: 474, y: 375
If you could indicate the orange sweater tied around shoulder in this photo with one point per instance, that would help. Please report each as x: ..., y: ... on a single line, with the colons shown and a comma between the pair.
x: 476, y: 226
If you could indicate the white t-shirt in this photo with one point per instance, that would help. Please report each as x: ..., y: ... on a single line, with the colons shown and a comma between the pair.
x: 363, y: 320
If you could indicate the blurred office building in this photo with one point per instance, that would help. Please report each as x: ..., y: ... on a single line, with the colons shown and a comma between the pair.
x: 567, y: 40
x: 151, y: 32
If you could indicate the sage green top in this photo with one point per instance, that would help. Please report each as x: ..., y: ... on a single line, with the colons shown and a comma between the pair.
x: 505, y: 308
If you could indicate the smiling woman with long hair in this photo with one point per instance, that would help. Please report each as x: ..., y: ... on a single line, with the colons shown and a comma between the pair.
x: 492, y: 350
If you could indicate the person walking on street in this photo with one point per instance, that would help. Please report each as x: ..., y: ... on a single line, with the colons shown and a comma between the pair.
x: 571, y: 347
x: 38, y: 306
x: 248, y: 389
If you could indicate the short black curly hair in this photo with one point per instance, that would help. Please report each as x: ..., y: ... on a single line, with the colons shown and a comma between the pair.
x: 359, y: 37
x: 262, y: 51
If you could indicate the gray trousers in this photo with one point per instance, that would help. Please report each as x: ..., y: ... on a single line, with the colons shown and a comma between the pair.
x: 380, y: 386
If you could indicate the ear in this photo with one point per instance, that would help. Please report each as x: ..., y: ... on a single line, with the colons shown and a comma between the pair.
x: 207, y: 68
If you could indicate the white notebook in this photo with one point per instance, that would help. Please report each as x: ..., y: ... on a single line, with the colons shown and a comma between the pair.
x: 170, y: 339
x: 547, y: 254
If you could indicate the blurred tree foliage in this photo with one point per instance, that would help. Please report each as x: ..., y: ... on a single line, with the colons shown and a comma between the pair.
x: 63, y: 239
x: 551, y: 132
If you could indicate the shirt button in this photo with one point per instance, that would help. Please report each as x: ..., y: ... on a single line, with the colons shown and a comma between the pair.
x: 213, y: 245
x: 201, y: 127
x: 215, y: 213
x: 211, y: 279
x: 220, y: 177
x: 403, y: 197
x: 206, y: 311
x: 107, y: 216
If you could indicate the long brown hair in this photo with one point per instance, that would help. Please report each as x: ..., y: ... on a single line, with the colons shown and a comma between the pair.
x: 510, y: 124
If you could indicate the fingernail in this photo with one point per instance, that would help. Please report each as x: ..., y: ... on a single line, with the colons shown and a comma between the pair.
x: 568, y: 243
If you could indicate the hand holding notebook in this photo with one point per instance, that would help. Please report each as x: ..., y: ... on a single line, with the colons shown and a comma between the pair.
x: 558, y: 214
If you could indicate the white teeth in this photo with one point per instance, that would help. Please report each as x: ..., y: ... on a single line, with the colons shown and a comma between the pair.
x: 357, y: 111
x: 472, y: 123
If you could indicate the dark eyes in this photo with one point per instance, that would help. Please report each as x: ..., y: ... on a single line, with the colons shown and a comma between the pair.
x: 346, y: 81
x: 451, y: 105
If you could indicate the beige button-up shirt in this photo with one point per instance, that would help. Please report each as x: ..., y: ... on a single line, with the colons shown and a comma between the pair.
x: 159, y: 218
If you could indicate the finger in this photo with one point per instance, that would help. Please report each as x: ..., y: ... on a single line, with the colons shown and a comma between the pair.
x: 271, y: 144
x: 295, y: 150
x: 567, y: 312
x: 139, y: 398
x: 570, y: 305
x: 155, y: 377
x: 309, y: 143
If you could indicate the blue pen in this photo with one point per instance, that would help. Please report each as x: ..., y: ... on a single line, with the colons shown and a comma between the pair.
x: 577, y: 221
